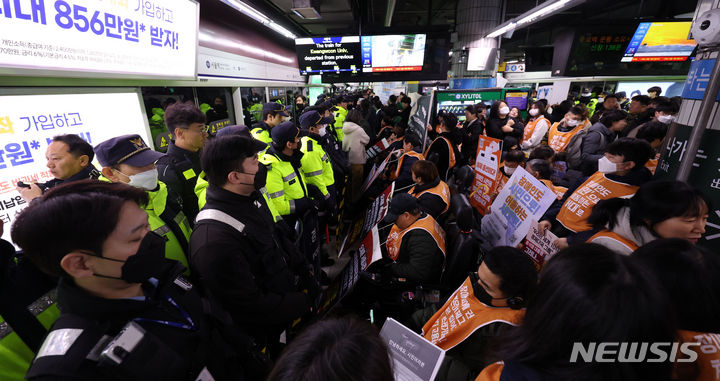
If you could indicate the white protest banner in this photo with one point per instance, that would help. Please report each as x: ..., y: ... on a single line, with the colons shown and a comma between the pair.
x: 521, y: 200
x: 487, y: 167
x: 108, y: 39
x: 540, y: 247
x: 414, y: 357
x: 29, y: 122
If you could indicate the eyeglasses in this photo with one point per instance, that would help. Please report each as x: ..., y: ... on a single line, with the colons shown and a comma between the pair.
x: 205, y: 128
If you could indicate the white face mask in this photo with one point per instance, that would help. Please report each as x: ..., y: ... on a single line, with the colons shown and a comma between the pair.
x: 504, y: 110
x: 666, y: 119
x: 606, y: 166
x: 572, y: 122
x: 147, y: 180
x: 322, y: 131
x: 533, y: 112
x: 509, y: 171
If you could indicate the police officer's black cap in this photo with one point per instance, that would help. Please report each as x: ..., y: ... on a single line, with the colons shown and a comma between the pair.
x: 274, y: 106
x: 126, y: 149
x: 312, y: 118
x: 321, y: 97
x: 284, y: 132
x: 327, y: 105
x: 237, y: 129
x: 400, y: 203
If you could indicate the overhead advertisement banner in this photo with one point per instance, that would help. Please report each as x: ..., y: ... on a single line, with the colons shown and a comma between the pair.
x: 110, y: 39
x: 29, y: 122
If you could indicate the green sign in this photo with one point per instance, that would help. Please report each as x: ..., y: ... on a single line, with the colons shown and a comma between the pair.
x: 476, y: 96
x: 705, y: 174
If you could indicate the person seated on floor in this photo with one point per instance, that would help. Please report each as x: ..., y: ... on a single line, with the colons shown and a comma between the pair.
x: 432, y: 193
x: 659, y: 209
x: 620, y: 174
x: 492, y: 301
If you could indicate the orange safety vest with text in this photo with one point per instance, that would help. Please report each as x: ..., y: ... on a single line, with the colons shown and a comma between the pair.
x: 419, y: 156
x: 558, y: 190
x: 652, y: 165
x: 707, y: 365
x: 491, y: 372
x: 607, y: 234
x: 451, y: 160
x: 577, y: 208
x: 530, y: 127
x: 442, y: 190
x: 559, y: 140
x: 464, y: 314
x: 426, y: 223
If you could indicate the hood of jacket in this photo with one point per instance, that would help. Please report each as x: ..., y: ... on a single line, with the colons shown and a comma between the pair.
x: 638, y: 234
x: 350, y: 127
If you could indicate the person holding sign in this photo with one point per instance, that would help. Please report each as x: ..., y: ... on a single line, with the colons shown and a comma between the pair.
x: 416, y: 243
x: 659, y: 209
x: 432, y: 193
x: 621, y: 172
x: 69, y: 158
x: 491, y: 301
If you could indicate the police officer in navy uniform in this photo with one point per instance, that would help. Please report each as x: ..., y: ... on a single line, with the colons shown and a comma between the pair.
x: 239, y: 254
x: 127, y: 312
x: 179, y: 170
x: 127, y: 159
x: 69, y: 158
x: 27, y: 310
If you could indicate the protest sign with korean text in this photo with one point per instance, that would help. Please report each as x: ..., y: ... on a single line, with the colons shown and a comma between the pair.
x: 487, y: 168
x: 108, y: 39
x: 540, y: 247
x: 521, y: 200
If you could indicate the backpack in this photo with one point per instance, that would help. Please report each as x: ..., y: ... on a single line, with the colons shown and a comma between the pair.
x: 573, y: 152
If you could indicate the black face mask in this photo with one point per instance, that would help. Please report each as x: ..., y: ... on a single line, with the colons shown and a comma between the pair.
x: 479, y: 291
x: 145, y: 263
x: 260, y: 177
x: 299, y: 106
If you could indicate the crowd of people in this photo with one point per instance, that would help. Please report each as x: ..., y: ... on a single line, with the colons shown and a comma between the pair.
x: 209, y: 261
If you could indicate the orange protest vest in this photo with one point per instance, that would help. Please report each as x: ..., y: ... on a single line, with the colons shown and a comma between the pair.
x: 426, y: 223
x: 559, y: 140
x: 577, y: 208
x: 464, y: 314
x: 652, y: 165
x: 491, y: 372
x: 419, y: 156
x: 450, y: 149
x: 708, y: 355
x: 607, y: 234
x: 442, y: 190
x: 530, y: 127
x: 559, y: 191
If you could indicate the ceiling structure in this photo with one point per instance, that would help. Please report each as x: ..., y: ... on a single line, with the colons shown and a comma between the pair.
x: 347, y: 17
